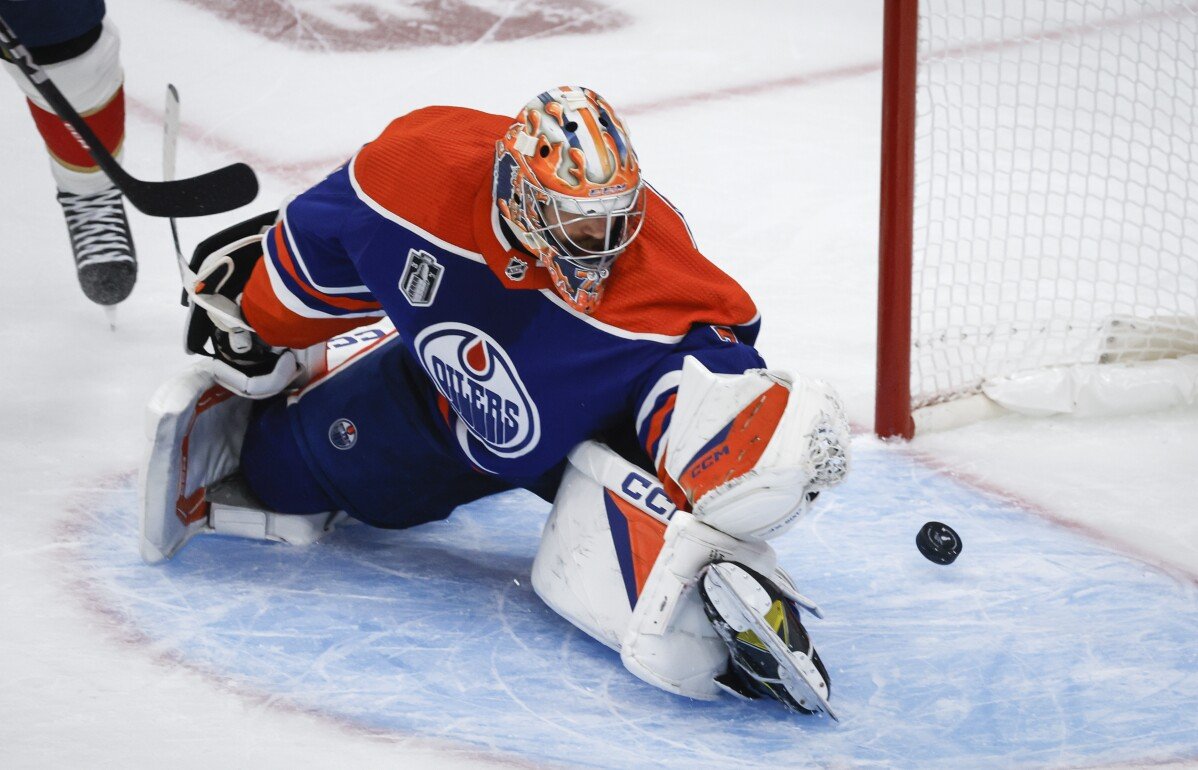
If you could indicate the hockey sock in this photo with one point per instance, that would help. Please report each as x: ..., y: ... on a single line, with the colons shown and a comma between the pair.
x: 90, y: 77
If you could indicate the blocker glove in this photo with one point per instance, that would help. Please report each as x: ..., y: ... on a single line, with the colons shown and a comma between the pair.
x: 221, y: 267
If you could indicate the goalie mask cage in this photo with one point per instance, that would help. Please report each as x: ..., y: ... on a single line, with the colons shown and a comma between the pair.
x: 1039, y: 200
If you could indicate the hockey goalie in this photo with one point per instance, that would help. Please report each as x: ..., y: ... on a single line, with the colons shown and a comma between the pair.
x: 471, y: 305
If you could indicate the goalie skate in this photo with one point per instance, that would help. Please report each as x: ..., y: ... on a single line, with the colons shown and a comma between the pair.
x: 772, y: 655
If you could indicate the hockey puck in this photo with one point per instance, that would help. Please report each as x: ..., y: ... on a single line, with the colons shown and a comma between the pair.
x: 938, y: 543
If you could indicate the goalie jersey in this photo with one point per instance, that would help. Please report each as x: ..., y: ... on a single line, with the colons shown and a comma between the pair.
x: 509, y: 377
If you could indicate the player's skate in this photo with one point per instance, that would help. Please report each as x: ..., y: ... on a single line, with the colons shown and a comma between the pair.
x: 104, y: 255
x: 772, y: 655
x: 189, y: 482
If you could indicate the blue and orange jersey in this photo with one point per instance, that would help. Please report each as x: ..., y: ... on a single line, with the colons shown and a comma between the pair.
x: 511, y: 373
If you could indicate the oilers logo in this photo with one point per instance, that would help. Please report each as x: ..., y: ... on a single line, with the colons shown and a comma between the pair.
x: 477, y: 377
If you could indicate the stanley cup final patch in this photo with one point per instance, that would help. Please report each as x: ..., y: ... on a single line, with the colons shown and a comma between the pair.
x: 421, y: 278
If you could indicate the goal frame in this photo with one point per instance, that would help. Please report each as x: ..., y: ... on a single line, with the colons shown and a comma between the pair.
x: 1140, y: 338
x: 892, y: 409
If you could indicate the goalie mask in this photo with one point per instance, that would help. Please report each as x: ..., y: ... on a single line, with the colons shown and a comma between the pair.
x: 568, y: 184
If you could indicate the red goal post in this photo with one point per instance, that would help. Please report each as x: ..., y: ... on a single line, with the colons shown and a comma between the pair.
x: 1039, y: 208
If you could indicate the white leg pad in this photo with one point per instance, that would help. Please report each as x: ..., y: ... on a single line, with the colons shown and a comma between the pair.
x: 195, y: 429
x: 621, y: 563
x: 583, y: 570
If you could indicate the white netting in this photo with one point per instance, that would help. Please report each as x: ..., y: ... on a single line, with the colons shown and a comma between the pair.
x: 1056, y: 187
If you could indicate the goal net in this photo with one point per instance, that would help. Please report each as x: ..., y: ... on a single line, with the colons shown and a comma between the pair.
x: 1054, y: 195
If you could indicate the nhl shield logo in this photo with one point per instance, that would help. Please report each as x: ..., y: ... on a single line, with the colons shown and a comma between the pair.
x: 516, y: 269
x: 343, y: 434
x: 421, y: 278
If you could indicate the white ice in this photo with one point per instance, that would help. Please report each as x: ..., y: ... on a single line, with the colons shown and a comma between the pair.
x: 760, y: 121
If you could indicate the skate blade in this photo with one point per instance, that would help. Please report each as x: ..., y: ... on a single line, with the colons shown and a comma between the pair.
x: 796, y: 671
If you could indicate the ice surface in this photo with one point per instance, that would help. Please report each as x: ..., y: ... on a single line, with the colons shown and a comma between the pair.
x: 1042, y: 646
x: 1035, y: 646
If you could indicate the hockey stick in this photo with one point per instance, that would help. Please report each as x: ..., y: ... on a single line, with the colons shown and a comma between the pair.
x: 170, y: 145
x: 221, y: 190
x: 191, y: 296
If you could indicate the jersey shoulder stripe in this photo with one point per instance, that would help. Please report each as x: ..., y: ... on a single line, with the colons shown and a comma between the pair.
x: 282, y: 320
x: 286, y: 276
x: 308, y: 273
x: 391, y: 216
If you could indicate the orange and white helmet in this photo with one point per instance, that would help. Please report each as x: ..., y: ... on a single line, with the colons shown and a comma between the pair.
x: 568, y: 184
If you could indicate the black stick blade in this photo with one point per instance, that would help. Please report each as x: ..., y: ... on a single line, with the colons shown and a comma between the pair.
x: 221, y: 190
x: 214, y: 192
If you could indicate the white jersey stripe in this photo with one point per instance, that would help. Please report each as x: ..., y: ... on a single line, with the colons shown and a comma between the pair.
x: 299, y: 260
x: 615, y: 331
x: 297, y: 305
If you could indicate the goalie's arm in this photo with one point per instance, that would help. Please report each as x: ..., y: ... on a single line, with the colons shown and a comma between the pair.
x: 307, y: 288
x: 276, y: 283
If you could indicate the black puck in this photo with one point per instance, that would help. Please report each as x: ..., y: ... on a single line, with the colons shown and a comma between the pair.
x: 938, y: 542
